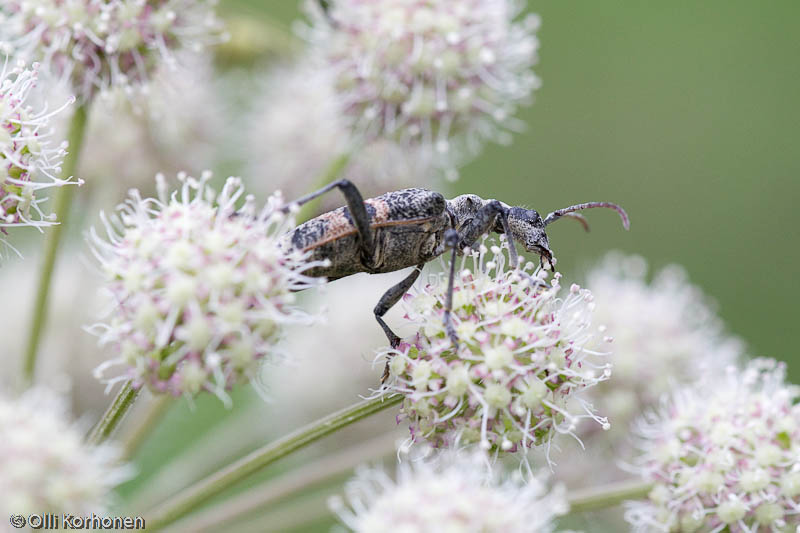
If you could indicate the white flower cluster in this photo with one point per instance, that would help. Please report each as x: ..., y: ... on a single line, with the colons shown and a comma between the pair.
x: 524, y: 354
x: 44, y: 465
x: 448, y: 492
x: 665, y: 333
x: 25, y: 151
x: 98, y: 44
x: 201, y: 290
x: 436, y: 74
x: 723, y: 455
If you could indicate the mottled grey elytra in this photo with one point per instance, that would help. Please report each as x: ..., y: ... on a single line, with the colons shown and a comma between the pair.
x: 410, y: 227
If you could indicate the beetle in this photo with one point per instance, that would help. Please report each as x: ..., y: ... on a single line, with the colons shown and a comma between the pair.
x: 411, y: 227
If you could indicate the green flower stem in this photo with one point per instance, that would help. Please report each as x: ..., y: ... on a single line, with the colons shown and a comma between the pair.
x: 336, y: 167
x: 155, y: 412
x: 192, y: 497
x: 63, y: 201
x: 114, y: 414
x: 328, y: 468
x: 609, y: 495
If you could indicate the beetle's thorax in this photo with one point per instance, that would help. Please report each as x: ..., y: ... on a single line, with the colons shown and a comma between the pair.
x: 464, y: 207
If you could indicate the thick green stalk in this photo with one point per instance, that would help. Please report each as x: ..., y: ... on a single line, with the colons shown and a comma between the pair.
x: 313, y: 474
x: 114, y: 414
x: 609, y: 495
x: 155, y: 412
x: 63, y: 201
x: 336, y: 167
x: 190, y: 498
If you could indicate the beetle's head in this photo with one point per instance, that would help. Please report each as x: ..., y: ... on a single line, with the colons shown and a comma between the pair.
x: 527, y: 228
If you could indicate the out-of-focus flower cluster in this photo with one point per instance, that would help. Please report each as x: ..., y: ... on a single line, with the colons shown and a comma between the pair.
x: 201, y: 288
x: 181, y: 124
x: 437, y: 75
x: 665, y: 333
x: 723, y: 455
x: 25, y: 151
x: 297, y: 130
x: 525, y: 352
x: 448, y: 492
x: 44, y: 465
x: 336, y: 358
x: 99, y: 44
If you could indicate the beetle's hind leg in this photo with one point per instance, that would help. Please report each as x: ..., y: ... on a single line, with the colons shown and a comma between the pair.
x: 358, y: 212
x: 387, y: 301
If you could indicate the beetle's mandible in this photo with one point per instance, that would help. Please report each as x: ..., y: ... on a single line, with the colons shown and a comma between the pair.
x: 413, y: 226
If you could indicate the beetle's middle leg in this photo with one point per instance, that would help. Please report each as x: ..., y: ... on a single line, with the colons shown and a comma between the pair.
x: 387, y: 301
x: 358, y: 212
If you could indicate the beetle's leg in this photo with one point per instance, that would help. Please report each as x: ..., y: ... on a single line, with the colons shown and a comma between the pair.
x: 482, y: 222
x: 480, y: 225
x: 358, y: 211
x: 451, y: 239
x: 387, y: 301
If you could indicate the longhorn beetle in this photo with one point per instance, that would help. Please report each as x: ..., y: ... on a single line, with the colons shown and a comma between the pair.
x: 411, y: 227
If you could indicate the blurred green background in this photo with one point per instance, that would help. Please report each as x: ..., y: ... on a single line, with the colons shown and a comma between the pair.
x: 687, y: 114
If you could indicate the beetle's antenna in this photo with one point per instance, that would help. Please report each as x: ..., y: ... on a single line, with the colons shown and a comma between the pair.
x: 555, y: 215
x: 580, y: 218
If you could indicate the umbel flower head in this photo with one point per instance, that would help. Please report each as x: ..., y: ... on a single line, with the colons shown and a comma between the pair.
x: 723, y: 455
x: 448, y: 492
x: 665, y: 332
x: 25, y: 152
x: 523, y: 356
x: 438, y: 74
x: 97, y: 44
x: 201, y: 289
x: 44, y: 465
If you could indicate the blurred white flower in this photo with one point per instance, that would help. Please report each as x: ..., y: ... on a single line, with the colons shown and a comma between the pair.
x: 665, y: 333
x: 524, y: 355
x: 439, y: 75
x: 297, y: 131
x: 181, y: 124
x: 44, y: 465
x: 28, y: 162
x: 448, y: 492
x: 68, y: 354
x: 723, y: 454
x: 336, y: 356
x: 101, y: 44
x: 202, y: 290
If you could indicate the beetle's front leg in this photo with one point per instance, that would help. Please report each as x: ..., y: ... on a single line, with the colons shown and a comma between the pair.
x: 482, y: 222
x: 387, y: 301
x: 451, y: 239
